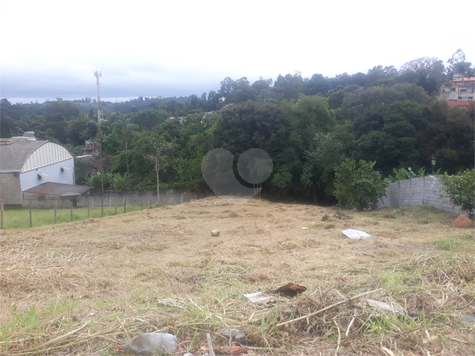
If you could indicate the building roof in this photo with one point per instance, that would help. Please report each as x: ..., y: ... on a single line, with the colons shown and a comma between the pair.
x: 58, y: 189
x: 13, y: 155
x: 464, y: 79
x: 459, y: 103
x: 25, y: 155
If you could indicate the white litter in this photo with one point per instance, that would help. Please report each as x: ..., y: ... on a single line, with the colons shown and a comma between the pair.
x: 259, y: 298
x: 357, y: 234
x: 384, y: 306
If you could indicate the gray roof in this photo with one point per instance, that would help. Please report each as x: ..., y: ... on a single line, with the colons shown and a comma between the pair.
x: 58, y: 189
x: 14, y: 155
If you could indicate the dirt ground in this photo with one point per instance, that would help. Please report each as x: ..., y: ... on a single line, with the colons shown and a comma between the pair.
x: 114, y: 274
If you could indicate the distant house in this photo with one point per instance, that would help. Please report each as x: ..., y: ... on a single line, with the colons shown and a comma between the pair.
x: 460, y: 92
x: 26, y: 163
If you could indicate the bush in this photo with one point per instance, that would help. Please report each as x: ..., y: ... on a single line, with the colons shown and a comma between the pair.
x: 461, y: 190
x: 358, y: 185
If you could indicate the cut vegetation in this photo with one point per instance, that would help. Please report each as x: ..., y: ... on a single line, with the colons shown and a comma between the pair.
x: 82, y: 288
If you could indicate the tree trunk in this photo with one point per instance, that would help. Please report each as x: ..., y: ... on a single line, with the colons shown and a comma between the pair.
x: 127, y: 157
x: 157, y: 170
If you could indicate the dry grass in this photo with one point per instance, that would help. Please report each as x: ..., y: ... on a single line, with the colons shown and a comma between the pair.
x: 80, y: 288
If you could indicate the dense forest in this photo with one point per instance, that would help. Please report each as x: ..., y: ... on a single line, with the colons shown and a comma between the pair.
x: 308, y: 126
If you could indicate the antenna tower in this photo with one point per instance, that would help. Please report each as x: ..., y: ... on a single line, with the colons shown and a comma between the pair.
x: 100, y: 113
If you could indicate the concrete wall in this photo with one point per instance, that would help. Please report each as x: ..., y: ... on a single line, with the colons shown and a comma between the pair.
x: 415, y: 192
x: 144, y: 197
x: 10, y: 190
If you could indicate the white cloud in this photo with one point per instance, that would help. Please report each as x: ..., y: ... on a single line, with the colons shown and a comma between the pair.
x: 157, y: 48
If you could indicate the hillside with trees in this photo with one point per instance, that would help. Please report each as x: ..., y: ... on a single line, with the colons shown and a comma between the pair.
x: 309, y: 126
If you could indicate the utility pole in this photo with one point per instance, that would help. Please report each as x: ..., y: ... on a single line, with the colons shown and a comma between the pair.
x: 100, y: 117
x: 100, y: 113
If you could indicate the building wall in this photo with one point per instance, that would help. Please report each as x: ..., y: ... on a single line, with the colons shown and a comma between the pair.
x: 54, y: 174
x: 10, y: 190
x: 417, y: 191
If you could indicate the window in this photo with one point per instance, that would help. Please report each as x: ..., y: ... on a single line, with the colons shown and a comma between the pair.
x: 453, y: 89
x: 470, y: 98
x: 463, y: 90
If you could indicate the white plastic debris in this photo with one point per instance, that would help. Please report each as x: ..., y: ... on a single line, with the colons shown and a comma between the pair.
x: 385, y: 306
x: 151, y: 344
x: 215, y: 232
x: 233, y: 333
x: 357, y: 234
x: 259, y: 298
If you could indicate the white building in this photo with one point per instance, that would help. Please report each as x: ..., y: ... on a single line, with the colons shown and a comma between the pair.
x: 460, y: 92
x: 28, y: 163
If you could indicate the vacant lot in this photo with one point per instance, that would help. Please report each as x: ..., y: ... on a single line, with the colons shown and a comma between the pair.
x: 81, y: 288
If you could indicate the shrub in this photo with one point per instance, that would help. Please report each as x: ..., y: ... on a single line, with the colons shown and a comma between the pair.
x: 461, y: 190
x: 358, y: 185
x: 98, y: 180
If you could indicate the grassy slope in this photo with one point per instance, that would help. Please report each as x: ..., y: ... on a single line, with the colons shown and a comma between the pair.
x: 160, y: 269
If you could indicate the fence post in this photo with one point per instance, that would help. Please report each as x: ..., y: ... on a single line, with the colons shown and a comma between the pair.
x: 55, y: 207
x: 1, y: 208
x: 115, y: 206
x: 102, y: 207
x: 125, y: 204
x: 149, y: 202
x: 71, y: 210
x: 31, y: 220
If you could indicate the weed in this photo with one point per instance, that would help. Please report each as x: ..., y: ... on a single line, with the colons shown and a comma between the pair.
x: 448, y: 244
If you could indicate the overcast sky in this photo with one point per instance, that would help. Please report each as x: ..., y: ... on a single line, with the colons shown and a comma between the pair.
x: 50, y: 49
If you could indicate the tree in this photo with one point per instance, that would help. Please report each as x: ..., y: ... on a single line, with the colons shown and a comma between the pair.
x: 252, y: 125
x: 358, y: 185
x: 461, y: 190
x: 326, y: 153
x: 425, y: 72
x: 290, y: 86
x: 156, y: 150
x: 124, y: 128
x: 378, y: 75
x: 60, y: 110
x: 309, y: 116
x: 459, y: 65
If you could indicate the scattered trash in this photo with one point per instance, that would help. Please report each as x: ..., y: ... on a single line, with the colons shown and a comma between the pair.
x: 341, y: 216
x: 229, y: 350
x: 151, y: 344
x: 92, y: 312
x: 357, y: 234
x: 162, y: 303
x: 215, y: 232
x: 290, y: 290
x: 304, y: 228
x: 210, y: 345
x: 234, y: 334
x: 469, y: 318
x: 188, y: 354
x: 384, y: 306
x: 225, y: 350
x: 259, y: 298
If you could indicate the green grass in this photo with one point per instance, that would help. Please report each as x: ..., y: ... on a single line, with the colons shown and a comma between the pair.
x: 19, y: 218
x: 449, y: 244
